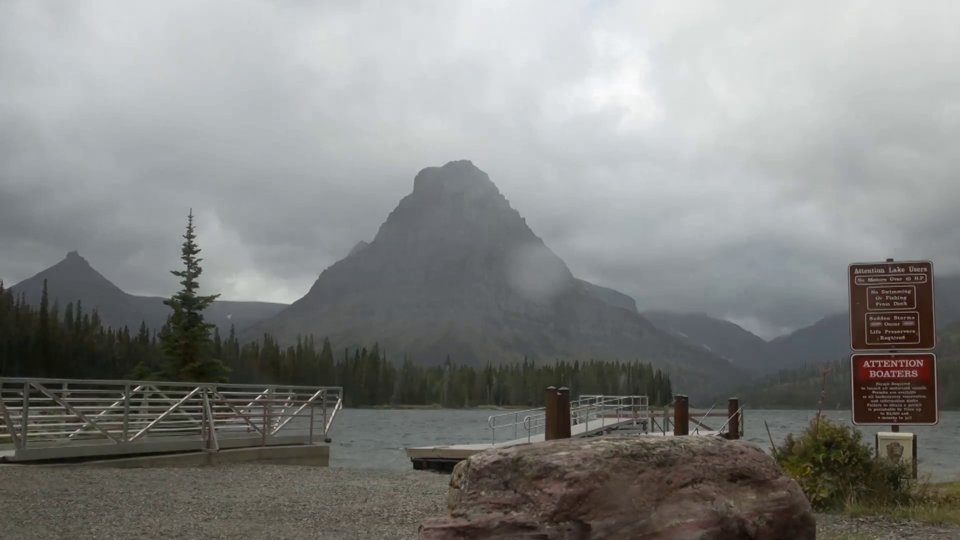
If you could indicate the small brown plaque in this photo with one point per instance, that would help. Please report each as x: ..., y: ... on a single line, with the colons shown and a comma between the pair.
x: 891, y: 306
x: 894, y: 389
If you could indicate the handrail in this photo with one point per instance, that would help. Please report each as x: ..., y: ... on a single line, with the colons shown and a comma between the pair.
x: 729, y: 418
x: 114, y: 382
x: 55, y: 417
x: 584, y: 409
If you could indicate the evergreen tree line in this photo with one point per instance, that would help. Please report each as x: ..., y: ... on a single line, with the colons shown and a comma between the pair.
x: 46, y: 341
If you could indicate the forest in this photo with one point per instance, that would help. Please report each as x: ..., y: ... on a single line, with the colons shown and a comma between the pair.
x: 71, y: 342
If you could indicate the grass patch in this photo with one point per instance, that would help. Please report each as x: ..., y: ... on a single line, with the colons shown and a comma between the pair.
x: 846, y: 536
x: 936, y: 504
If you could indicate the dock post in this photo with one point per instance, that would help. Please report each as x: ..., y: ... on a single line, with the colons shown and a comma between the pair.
x: 550, y: 399
x: 681, y: 415
x: 733, y: 415
x: 563, y: 413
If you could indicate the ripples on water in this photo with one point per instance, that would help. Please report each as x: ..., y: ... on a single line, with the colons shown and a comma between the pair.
x: 375, y: 439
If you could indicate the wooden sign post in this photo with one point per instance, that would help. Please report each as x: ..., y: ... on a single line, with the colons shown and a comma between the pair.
x: 891, y: 318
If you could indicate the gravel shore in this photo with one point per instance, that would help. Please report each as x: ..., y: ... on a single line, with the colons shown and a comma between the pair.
x: 840, y: 527
x: 230, y: 501
x: 268, y: 501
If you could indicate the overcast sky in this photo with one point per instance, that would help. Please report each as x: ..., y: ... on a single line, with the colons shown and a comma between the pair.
x: 727, y: 157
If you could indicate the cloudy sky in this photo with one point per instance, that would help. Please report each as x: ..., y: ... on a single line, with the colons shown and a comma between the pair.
x: 729, y: 157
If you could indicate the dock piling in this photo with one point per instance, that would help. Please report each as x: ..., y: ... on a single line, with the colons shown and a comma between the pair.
x: 733, y: 413
x: 551, y: 408
x: 563, y: 413
x: 681, y: 415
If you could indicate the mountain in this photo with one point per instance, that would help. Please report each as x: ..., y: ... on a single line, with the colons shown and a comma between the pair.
x: 608, y: 296
x: 456, y: 272
x: 829, y: 338
x: 73, y: 279
x: 823, y: 341
x: 741, y: 347
x: 828, y: 383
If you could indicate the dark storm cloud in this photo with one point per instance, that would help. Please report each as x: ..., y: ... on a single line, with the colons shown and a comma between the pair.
x: 725, y: 157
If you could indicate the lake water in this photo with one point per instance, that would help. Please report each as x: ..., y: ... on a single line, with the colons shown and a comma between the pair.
x: 375, y: 439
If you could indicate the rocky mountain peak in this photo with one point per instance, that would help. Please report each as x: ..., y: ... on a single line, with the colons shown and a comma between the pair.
x: 454, y: 179
x: 360, y: 246
x: 454, y: 271
x: 74, y: 260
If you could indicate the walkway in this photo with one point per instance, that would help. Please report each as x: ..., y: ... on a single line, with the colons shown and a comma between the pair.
x: 57, y: 419
x: 590, y: 415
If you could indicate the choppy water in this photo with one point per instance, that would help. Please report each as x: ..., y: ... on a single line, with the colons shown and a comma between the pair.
x: 364, y: 438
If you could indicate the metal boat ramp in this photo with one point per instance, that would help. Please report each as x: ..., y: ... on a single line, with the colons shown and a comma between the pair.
x: 44, y: 420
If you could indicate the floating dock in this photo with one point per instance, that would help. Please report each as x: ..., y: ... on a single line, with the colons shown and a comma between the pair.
x: 590, y: 416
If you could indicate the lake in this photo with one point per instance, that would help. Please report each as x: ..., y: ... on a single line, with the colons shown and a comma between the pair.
x: 376, y: 438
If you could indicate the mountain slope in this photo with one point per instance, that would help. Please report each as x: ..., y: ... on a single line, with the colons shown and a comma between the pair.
x: 740, y: 347
x: 73, y: 279
x: 802, y: 387
x: 455, y: 271
x: 829, y: 338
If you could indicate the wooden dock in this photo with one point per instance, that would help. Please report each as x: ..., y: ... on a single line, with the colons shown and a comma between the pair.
x: 588, y: 416
x: 444, y: 457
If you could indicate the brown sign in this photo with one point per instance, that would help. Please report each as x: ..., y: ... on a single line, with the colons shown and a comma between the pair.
x: 894, y: 389
x: 891, y: 306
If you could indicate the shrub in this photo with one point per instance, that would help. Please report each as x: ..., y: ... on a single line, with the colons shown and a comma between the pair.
x: 834, y: 467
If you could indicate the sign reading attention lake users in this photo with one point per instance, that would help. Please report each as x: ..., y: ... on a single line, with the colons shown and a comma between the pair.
x: 895, y: 389
x: 891, y: 306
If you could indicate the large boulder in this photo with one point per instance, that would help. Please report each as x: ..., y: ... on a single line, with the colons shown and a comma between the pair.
x: 623, y: 487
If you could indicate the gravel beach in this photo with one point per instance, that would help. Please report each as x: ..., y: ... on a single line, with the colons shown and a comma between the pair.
x: 230, y: 501
x: 268, y: 501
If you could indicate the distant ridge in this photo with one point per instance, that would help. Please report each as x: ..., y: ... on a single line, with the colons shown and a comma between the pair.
x: 741, y: 347
x: 73, y: 279
x: 824, y: 341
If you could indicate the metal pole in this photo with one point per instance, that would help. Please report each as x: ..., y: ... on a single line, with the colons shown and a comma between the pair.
x: 894, y: 428
x: 126, y: 413
x: 733, y: 413
x: 681, y: 415
x: 25, y: 415
x: 266, y: 417
x: 311, y: 424
x: 211, y: 428
x: 550, y: 413
x: 324, y: 415
x: 563, y: 413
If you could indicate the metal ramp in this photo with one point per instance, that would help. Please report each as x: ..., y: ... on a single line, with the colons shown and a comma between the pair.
x: 590, y: 415
x: 57, y: 419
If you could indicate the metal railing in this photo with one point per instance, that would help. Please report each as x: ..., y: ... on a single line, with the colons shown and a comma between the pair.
x: 54, y: 418
x: 514, y: 424
x: 596, y: 411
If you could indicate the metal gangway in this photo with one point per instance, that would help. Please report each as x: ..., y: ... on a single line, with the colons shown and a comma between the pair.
x: 589, y: 415
x: 51, y: 419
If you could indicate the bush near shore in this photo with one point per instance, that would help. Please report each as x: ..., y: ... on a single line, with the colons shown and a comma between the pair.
x: 838, y: 472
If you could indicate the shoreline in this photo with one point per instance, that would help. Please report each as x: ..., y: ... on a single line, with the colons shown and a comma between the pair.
x: 268, y: 500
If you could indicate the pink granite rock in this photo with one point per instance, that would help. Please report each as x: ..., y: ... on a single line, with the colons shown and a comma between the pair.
x: 623, y: 487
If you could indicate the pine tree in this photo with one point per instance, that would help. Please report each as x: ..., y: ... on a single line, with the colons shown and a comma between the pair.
x: 187, y: 344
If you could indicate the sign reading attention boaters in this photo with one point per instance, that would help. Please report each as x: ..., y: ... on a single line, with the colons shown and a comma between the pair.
x: 895, y: 389
x: 891, y: 306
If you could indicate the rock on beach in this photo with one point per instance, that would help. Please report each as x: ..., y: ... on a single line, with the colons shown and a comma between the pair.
x: 623, y: 487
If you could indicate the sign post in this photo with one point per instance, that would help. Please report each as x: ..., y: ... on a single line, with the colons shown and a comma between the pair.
x: 892, y: 311
x: 891, y: 306
x: 894, y: 389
